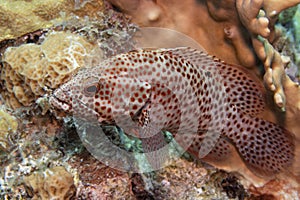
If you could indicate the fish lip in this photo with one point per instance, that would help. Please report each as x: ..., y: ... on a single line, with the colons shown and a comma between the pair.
x: 60, y: 103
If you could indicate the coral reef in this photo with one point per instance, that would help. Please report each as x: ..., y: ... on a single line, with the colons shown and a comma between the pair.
x: 282, y: 189
x: 98, y: 181
x: 8, y: 125
x: 261, y: 38
x: 203, y: 183
x: 54, y: 54
x: 34, y: 147
x: 43, y: 142
x: 168, y: 183
x: 191, y: 18
x: 30, y: 70
x: 296, y: 31
x: 38, y: 15
x: 53, y: 183
x: 287, y: 42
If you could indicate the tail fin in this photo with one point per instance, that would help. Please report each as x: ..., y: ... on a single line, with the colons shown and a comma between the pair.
x: 265, y: 147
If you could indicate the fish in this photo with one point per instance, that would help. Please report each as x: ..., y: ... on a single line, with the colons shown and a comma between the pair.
x: 204, y: 102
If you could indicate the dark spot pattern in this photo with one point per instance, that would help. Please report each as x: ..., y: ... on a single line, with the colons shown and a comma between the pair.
x: 196, y: 97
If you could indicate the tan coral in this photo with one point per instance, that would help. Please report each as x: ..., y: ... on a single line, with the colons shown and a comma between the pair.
x: 274, y: 7
x: 40, y: 14
x: 244, y: 54
x: 64, y: 53
x: 8, y: 124
x: 248, y: 12
x: 191, y: 18
x: 258, y: 27
x: 30, y: 69
x: 53, y: 183
x: 291, y: 119
x: 277, y: 190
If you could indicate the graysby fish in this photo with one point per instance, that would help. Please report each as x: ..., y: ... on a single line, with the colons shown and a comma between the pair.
x: 207, y: 103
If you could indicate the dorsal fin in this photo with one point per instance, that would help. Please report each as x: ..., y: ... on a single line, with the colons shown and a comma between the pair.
x: 242, y: 91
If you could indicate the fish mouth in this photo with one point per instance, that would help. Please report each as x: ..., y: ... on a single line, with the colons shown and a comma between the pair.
x: 60, y: 103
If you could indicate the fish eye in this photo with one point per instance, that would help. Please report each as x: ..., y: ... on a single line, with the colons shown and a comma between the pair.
x: 90, y: 90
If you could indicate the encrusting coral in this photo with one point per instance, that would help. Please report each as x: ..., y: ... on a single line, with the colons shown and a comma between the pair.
x: 8, y: 124
x: 260, y: 32
x: 53, y: 183
x: 274, y: 7
x: 37, y: 14
x: 30, y: 70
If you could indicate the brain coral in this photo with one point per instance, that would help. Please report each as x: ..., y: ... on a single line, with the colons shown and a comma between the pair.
x: 54, y: 183
x: 30, y: 70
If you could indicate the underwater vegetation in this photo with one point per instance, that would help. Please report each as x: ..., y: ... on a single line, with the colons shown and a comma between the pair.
x: 43, y: 45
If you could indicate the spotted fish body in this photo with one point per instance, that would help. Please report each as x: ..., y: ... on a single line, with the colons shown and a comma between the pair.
x: 199, y: 99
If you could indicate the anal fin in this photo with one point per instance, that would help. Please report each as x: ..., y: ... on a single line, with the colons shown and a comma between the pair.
x: 225, y: 156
